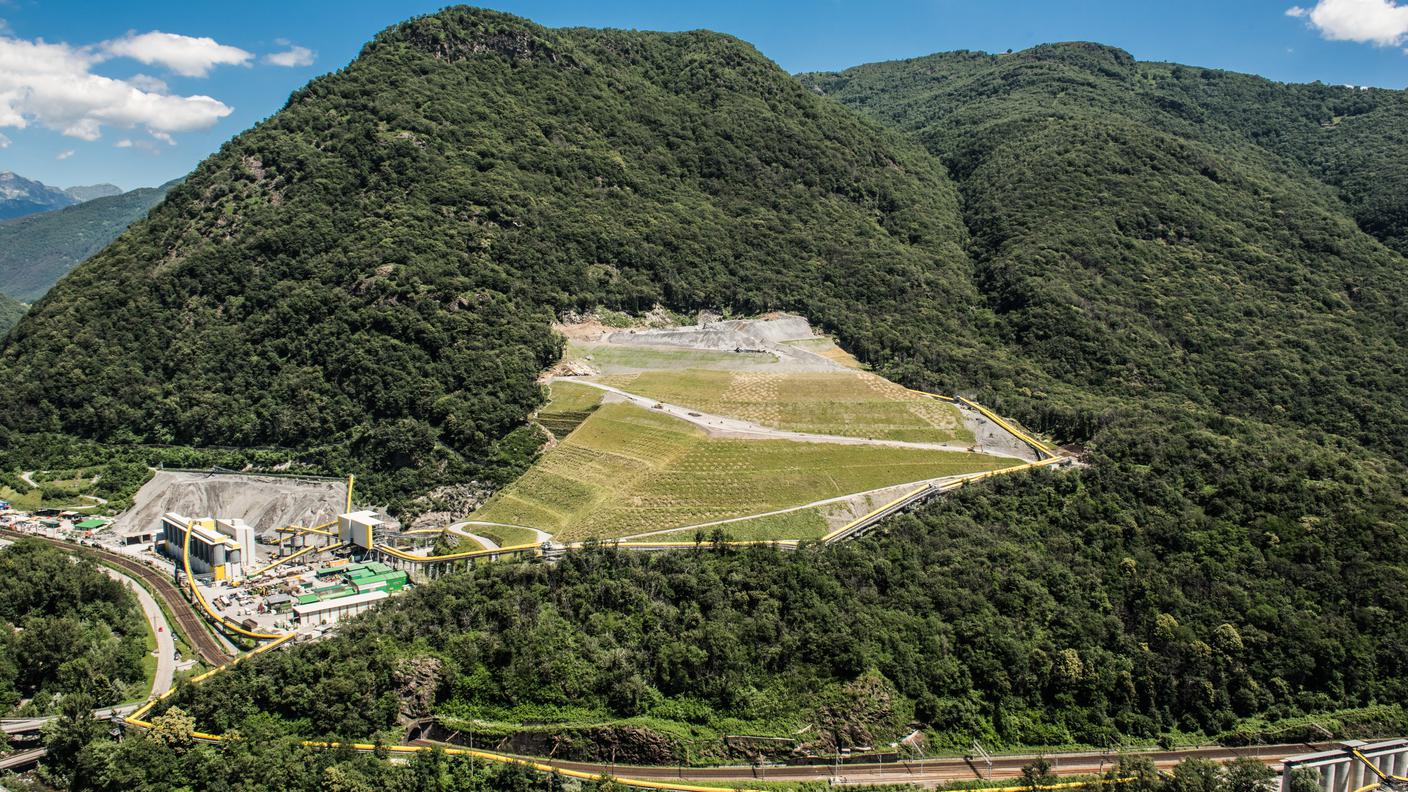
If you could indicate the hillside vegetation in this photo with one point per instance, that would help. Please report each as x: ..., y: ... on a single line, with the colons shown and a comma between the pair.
x: 10, y: 311
x: 38, y: 249
x: 1098, y: 247
x: 369, y: 276
x: 68, y: 631
x: 1131, y: 235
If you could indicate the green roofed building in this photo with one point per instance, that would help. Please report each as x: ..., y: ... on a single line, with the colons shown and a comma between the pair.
x: 92, y: 524
x: 388, y: 581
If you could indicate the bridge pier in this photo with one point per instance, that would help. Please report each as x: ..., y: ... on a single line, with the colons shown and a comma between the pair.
x: 1341, y: 769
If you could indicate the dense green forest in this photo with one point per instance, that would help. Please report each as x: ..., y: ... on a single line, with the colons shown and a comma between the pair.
x: 1132, y: 237
x: 368, y: 277
x: 10, y: 312
x: 1190, y: 584
x: 1208, y: 298
x: 38, y: 249
x: 66, y: 630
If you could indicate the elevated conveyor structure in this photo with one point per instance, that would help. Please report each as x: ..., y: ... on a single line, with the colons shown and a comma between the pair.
x: 1354, y: 766
x: 432, y: 567
x: 291, y: 557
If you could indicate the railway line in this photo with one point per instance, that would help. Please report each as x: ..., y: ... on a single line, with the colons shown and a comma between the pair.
x: 192, y: 625
x: 926, y: 771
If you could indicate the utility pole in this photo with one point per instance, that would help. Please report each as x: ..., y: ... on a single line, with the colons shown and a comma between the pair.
x: 979, y: 753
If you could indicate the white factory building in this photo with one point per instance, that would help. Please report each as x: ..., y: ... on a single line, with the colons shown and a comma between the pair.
x: 358, y: 528
x: 331, y: 610
x: 220, y: 548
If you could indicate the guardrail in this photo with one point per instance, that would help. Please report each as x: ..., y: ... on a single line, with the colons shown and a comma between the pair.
x: 860, y: 524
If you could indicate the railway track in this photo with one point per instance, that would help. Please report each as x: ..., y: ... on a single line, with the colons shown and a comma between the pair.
x: 192, y: 626
x: 913, y: 771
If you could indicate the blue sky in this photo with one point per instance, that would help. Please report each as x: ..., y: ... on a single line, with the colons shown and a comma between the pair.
x: 138, y: 93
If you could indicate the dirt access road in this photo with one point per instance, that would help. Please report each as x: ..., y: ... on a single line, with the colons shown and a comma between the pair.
x: 723, y: 426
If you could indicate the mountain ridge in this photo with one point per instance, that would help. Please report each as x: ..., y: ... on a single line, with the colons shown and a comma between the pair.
x: 20, y: 197
x: 1135, y: 270
x: 583, y: 168
x: 1095, y: 246
x: 38, y: 249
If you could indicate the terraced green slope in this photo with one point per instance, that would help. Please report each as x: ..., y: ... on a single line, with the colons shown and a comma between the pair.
x: 629, y: 470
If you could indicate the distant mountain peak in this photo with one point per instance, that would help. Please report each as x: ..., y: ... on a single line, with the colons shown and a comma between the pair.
x: 89, y: 192
x: 20, y: 196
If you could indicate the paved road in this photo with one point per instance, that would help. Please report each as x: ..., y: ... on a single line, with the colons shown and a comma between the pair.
x: 191, y: 623
x: 543, y: 536
x: 21, y: 759
x: 484, y: 541
x: 165, y: 644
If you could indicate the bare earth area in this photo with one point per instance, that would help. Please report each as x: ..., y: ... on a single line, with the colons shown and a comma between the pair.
x: 265, y: 502
x: 760, y: 427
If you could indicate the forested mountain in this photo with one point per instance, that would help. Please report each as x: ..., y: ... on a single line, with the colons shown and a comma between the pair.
x: 1111, y: 251
x: 10, y: 311
x: 1132, y: 236
x: 371, y: 273
x: 37, y: 250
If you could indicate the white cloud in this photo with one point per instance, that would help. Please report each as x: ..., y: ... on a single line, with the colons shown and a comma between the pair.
x: 188, y: 56
x: 65, y: 154
x: 148, y: 83
x: 293, y: 56
x: 1383, y: 23
x: 4, y: 142
x: 53, y: 86
x: 142, y: 145
x: 164, y: 138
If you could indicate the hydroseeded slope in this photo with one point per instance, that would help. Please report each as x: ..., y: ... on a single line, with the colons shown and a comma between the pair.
x: 628, y: 470
x: 846, y: 403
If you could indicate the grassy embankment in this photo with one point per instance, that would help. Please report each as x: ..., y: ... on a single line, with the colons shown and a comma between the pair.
x: 846, y: 403
x: 629, y: 470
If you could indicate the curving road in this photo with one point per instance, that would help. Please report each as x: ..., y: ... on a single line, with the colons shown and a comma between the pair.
x: 165, y: 644
x: 543, y: 536
x: 191, y: 623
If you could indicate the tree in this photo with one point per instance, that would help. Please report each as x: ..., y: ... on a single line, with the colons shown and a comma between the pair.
x: 173, y: 729
x: 1196, y: 775
x: 1037, y: 773
x: 1247, y: 775
x: 1304, y: 780
x: 66, y: 736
